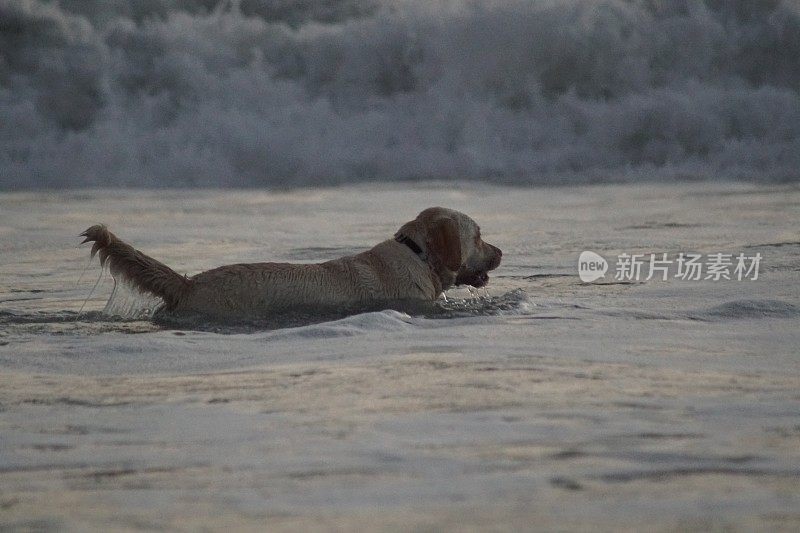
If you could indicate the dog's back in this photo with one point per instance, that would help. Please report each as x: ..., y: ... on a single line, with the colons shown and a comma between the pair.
x: 383, y: 273
x: 386, y: 272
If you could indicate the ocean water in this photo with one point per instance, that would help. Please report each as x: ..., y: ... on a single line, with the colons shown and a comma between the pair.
x: 194, y: 93
x: 542, y: 402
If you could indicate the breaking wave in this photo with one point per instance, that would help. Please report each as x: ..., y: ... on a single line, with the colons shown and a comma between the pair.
x: 174, y: 93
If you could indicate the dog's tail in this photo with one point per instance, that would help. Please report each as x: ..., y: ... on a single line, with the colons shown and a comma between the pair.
x: 141, y: 271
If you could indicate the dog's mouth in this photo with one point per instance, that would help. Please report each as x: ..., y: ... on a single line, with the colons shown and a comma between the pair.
x: 477, y: 275
x: 468, y: 277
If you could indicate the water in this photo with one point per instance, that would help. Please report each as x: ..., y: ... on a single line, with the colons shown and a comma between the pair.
x: 574, y: 405
x: 193, y: 93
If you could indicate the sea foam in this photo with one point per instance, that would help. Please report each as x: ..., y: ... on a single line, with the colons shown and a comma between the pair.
x: 176, y: 93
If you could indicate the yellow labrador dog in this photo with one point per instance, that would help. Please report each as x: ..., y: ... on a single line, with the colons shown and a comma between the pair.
x: 438, y: 249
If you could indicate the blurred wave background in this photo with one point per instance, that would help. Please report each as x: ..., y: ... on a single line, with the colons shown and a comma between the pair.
x: 183, y: 93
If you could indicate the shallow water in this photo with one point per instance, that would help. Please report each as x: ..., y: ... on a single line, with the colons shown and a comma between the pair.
x: 577, y: 405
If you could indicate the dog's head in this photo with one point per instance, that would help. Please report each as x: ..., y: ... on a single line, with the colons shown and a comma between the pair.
x: 454, y: 246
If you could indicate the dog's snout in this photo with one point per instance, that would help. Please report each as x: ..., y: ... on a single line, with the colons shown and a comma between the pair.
x: 496, y: 256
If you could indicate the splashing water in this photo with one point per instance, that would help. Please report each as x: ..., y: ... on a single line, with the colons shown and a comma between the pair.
x: 127, y: 302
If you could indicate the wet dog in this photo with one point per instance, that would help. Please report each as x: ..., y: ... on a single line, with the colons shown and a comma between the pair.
x: 435, y: 251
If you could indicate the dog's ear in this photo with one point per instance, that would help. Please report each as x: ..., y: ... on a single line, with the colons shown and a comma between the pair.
x: 444, y: 242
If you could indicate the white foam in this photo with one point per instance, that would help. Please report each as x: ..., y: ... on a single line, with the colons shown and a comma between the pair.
x: 166, y: 93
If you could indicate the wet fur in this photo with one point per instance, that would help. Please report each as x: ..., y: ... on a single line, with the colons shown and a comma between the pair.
x: 452, y: 251
x: 142, y: 271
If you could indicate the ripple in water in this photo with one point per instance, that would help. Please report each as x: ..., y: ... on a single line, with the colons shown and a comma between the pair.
x: 753, y: 309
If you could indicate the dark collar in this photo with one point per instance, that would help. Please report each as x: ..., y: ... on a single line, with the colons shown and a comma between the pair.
x: 414, y: 247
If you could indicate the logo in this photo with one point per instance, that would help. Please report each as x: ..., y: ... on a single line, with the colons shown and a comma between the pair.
x: 688, y: 266
x: 591, y: 266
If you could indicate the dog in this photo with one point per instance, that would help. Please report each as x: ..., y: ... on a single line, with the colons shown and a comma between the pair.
x: 440, y: 248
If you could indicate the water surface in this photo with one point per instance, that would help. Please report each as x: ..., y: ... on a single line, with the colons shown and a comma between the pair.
x: 542, y: 398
